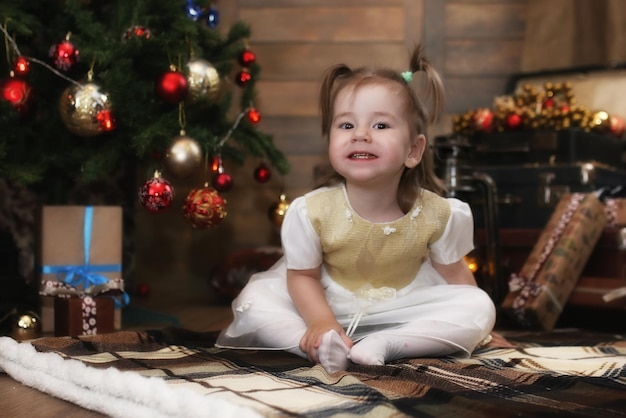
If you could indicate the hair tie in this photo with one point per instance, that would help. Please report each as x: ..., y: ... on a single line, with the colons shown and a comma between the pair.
x: 407, y: 76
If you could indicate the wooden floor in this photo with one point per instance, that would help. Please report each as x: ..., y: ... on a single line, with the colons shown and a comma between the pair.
x: 17, y: 400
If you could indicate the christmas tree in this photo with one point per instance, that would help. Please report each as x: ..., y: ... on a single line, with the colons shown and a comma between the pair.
x: 93, y: 87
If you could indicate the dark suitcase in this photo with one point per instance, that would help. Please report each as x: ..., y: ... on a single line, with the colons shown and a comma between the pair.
x: 527, y: 194
x: 547, y: 147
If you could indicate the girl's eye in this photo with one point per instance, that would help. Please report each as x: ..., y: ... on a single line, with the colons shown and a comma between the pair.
x: 381, y: 125
x: 346, y: 125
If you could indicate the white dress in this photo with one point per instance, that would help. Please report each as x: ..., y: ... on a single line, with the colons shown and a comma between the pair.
x: 460, y: 316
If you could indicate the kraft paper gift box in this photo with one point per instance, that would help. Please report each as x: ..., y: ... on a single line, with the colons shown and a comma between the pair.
x: 546, y: 280
x: 81, y: 254
x: 83, y: 315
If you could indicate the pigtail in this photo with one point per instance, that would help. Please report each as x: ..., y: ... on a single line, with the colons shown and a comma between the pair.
x: 435, y: 90
x: 328, y: 93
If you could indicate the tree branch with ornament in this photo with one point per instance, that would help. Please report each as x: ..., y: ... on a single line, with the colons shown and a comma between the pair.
x: 126, y: 74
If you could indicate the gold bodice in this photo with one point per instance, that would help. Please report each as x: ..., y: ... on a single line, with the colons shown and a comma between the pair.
x: 358, y: 252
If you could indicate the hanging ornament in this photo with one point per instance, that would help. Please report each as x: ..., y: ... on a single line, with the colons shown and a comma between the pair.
x: 136, y: 32
x: 203, y: 80
x: 27, y: 326
x: 243, y: 77
x: 254, y: 116
x: 222, y: 182
x: 184, y: 156
x: 192, y: 10
x: 247, y: 58
x: 81, y: 106
x: 212, y: 17
x: 262, y: 173
x: 156, y: 194
x: 171, y: 86
x: 17, y: 92
x: 204, y: 207
x: 64, y: 54
x: 21, y: 66
x: 277, y: 211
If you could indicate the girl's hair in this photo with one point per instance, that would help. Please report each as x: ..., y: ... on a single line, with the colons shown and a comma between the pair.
x: 341, y: 76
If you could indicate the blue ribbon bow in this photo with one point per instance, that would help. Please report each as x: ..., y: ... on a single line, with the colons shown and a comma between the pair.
x: 83, y: 276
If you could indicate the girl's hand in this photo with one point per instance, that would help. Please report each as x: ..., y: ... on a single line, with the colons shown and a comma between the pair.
x: 310, y: 342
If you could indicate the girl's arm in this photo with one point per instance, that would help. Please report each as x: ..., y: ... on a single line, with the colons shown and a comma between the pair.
x: 307, y: 294
x: 455, y: 273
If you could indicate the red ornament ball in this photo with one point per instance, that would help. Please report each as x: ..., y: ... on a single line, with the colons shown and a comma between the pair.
x: 483, y: 120
x: 17, y: 92
x: 136, y: 32
x: 21, y: 66
x: 513, y: 121
x: 262, y: 174
x: 64, y: 55
x: 247, y: 58
x: 617, y: 126
x: 254, y: 116
x: 243, y: 77
x: 222, y: 182
x: 204, y: 207
x: 171, y: 87
x: 156, y: 194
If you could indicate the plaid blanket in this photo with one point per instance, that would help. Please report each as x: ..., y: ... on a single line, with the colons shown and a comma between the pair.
x: 566, y: 374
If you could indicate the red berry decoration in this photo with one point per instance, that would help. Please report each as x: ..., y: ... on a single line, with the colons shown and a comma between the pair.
x: 156, y: 194
x: 254, y: 116
x: 17, y: 92
x: 21, y: 66
x: 247, y: 58
x: 172, y: 87
x: 204, y: 207
x: 136, y: 32
x: 106, y: 120
x: 262, y: 174
x: 222, y: 182
x: 243, y: 77
x: 64, y: 55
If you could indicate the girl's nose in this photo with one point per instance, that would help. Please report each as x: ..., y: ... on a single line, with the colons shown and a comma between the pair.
x: 361, y: 135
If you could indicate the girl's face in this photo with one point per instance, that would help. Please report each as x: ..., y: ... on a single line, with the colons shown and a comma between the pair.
x: 370, y: 139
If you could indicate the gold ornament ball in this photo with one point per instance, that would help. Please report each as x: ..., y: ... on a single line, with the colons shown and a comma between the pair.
x: 79, y: 108
x: 203, y: 80
x: 204, y: 207
x: 184, y: 156
x: 26, y: 327
x: 277, y: 211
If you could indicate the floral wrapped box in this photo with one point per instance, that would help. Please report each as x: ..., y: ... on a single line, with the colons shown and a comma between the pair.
x: 539, y: 291
x: 81, y: 267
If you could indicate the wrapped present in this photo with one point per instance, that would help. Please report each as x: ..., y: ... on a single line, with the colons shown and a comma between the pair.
x: 616, y: 212
x: 83, y: 315
x: 81, y: 254
x: 539, y: 291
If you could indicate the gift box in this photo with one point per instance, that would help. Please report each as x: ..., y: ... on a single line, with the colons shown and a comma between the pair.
x: 539, y: 291
x: 83, y: 315
x: 80, y: 254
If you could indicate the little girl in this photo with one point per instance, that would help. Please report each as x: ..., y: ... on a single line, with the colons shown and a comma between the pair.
x: 373, y: 267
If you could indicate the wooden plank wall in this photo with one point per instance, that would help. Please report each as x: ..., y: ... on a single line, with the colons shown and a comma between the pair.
x: 476, y: 44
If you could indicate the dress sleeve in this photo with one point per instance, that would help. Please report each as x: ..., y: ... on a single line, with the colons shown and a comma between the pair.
x: 458, y: 238
x: 301, y: 244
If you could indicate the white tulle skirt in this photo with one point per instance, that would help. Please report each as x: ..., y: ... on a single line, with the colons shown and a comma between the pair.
x: 266, y: 318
